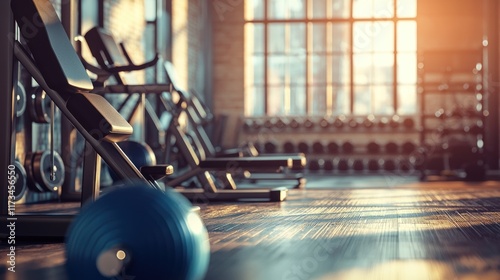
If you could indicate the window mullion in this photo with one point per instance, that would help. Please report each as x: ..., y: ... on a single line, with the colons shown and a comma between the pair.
x: 395, y: 66
x: 266, y: 58
x: 329, y: 59
x: 308, y: 38
x: 287, y: 85
x: 351, y: 56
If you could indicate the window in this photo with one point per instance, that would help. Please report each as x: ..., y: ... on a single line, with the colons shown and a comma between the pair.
x: 327, y: 57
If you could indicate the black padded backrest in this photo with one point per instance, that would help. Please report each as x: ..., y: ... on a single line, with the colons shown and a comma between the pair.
x: 193, y: 99
x: 104, y: 48
x: 48, y: 42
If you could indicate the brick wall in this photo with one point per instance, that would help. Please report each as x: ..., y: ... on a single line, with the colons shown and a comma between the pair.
x: 188, y: 23
x: 180, y: 39
x: 228, y: 61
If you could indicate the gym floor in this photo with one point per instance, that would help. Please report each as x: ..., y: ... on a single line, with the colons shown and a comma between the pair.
x: 385, y: 227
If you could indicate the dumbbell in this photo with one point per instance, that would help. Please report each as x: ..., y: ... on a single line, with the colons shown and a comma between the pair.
x: 405, y: 165
x: 373, y: 165
x: 107, y: 239
x: 314, y: 165
x: 358, y: 165
x: 383, y: 122
x: 328, y: 165
x: 343, y: 165
x: 268, y: 123
x: 294, y: 124
x: 270, y: 147
x: 389, y: 165
x: 254, y: 124
x: 394, y: 122
x: 40, y: 104
x: 347, y: 147
x: 408, y: 147
x: 324, y: 123
x: 332, y: 148
x: 409, y: 123
x: 303, y: 147
x: 369, y: 122
x: 318, y: 148
x: 288, y: 147
x: 42, y: 175
x: 373, y: 148
x: 308, y: 124
x: 280, y: 124
x: 339, y: 122
x: 353, y: 123
x: 391, y: 148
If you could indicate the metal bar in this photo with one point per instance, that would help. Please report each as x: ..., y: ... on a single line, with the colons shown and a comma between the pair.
x: 92, y: 175
x: 110, y: 152
x: 266, y: 59
x: 351, y: 57
x: 6, y: 99
x: 395, y: 67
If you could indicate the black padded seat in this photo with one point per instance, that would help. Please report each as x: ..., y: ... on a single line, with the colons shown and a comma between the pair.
x: 54, y: 55
x: 247, y: 163
x: 98, y: 117
x: 102, y: 43
x: 110, y: 56
x: 63, y: 71
x: 153, y: 88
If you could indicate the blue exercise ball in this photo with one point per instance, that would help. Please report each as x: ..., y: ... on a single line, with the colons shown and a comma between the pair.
x: 140, y: 233
x: 140, y: 154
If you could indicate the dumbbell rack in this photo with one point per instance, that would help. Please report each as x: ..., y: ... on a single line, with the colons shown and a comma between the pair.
x: 452, y: 111
x: 301, y: 134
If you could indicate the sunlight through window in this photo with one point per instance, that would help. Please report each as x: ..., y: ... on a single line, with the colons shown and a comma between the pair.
x: 330, y: 57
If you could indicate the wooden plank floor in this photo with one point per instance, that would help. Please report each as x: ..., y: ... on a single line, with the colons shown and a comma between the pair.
x: 440, y: 230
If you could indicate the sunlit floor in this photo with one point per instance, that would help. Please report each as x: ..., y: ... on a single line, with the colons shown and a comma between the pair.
x: 434, y: 230
x: 405, y: 230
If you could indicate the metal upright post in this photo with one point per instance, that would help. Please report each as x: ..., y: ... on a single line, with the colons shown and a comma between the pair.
x: 6, y: 101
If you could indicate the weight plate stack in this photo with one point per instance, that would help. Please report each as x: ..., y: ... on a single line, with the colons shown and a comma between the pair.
x: 21, y: 180
x: 39, y: 168
x: 40, y: 106
x: 20, y: 94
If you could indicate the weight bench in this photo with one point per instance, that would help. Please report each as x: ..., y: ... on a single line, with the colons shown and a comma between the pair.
x: 277, y: 194
x: 195, y: 110
x: 113, y: 58
x: 53, y: 63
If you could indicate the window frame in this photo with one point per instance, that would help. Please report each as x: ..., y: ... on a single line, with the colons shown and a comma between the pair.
x: 309, y: 20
